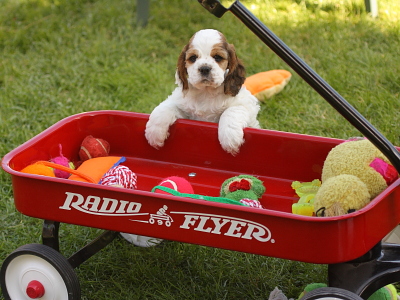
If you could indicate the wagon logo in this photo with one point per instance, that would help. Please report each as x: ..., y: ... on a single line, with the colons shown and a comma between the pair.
x: 229, y: 226
x: 100, y: 205
x: 161, y: 217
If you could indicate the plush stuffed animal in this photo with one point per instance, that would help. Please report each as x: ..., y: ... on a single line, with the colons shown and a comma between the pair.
x: 62, y: 160
x: 264, y: 85
x: 354, y: 172
x: 246, y: 189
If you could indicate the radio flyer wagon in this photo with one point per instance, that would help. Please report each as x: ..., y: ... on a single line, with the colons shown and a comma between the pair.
x: 359, y: 263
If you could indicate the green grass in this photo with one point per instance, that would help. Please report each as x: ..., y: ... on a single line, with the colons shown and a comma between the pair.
x: 63, y: 57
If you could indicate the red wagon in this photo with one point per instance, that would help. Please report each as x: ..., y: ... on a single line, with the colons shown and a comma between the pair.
x: 350, y: 244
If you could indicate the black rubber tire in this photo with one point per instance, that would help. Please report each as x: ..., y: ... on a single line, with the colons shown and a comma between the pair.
x: 330, y: 293
x: 52, y: 257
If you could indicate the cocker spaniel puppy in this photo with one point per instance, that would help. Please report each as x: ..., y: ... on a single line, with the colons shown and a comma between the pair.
x: 210, y: 88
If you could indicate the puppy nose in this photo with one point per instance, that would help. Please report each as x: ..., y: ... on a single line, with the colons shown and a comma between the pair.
x: 204, y: 70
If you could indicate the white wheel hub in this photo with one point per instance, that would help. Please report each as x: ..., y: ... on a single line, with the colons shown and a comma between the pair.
x: 26, y: 268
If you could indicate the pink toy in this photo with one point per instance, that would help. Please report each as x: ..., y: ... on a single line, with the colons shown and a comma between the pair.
x: 63, y: 161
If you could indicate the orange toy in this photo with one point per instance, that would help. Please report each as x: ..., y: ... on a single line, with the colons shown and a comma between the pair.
x: 91, y: 170
x: 39, y: 169
x: 264, y: 85
x: 95, y: 168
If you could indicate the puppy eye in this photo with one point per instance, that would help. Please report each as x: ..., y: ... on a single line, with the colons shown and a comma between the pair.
x: 193, y: 58
x: 218, y: 58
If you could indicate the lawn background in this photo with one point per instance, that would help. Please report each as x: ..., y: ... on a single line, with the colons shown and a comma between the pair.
x: 63, y: 57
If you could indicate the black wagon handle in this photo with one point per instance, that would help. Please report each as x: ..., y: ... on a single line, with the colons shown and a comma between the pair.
x: 308, y: 75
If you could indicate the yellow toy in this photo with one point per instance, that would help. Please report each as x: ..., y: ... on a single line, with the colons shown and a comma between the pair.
x: 354, y: 173
x: 264, y: 85
x: 306, y: 191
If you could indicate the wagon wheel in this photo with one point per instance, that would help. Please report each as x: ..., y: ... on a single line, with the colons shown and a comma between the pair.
x: 36, y: 271
x: 331, y: 293
x: 141, y: 240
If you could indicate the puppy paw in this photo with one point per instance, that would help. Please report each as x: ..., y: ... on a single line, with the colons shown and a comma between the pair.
x: 231, y: 140
x: 155, y: 135
x: 234, y: 150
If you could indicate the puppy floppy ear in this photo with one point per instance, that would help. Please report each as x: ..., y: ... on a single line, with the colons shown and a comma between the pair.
x: 181, y: 72
x: 236, y: 74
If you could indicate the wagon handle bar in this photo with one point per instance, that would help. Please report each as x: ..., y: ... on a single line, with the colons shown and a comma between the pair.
x: 308, y: 75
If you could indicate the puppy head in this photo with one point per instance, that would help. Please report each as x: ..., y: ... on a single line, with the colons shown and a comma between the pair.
x: 209, y: 61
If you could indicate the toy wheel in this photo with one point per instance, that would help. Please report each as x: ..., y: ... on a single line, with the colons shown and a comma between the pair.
x: 36, y: 271
x: 141, y: 240
x: 331, y: 293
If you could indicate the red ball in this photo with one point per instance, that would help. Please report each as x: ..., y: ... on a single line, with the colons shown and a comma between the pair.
x: 176, y: 183
x: 93, y: 147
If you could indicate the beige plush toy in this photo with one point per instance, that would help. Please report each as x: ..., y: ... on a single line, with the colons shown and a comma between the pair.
x: 354, y: 173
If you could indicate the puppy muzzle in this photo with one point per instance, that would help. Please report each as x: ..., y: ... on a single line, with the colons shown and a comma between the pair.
x: 205, y: 70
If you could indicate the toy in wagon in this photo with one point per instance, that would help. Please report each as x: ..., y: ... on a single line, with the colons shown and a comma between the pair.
x: 354, y: 173
x: 46, y: 170
x: 99, y: 168
x: 95, y: 166
x: 244, y: 190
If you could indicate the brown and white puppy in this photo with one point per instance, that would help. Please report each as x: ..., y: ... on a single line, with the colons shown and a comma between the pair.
x: 210, y: 88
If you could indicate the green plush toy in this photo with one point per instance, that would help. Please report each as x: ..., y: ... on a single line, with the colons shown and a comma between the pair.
x: 388, y: 292
x: 246, y: 189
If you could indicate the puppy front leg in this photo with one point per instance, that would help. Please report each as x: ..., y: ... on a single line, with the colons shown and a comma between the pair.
x: 161, y: 118
x: 230, y: 128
